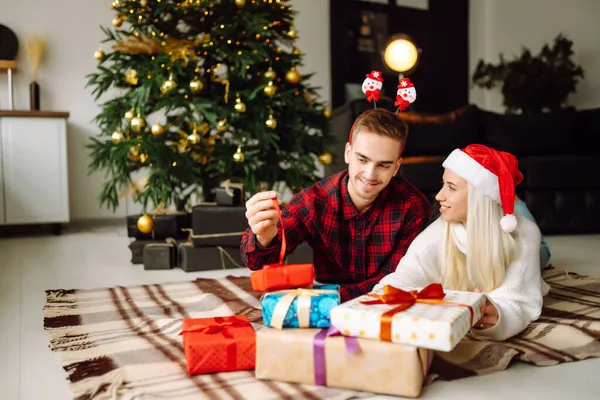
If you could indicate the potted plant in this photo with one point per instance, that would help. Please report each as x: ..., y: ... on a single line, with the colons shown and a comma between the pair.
x: 532, y: 84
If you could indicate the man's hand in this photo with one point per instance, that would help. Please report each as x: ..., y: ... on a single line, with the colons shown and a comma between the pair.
x: 262, y: 217
x: 489, y: 315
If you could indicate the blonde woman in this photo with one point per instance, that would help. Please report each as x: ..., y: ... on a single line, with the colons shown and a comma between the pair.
x: 479, y: 243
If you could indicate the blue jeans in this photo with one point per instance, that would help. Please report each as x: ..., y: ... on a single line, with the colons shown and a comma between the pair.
x: 522, y: 209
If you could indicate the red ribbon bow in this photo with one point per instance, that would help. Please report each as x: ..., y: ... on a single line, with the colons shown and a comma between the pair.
x: 221, y: 325
x: 373, y: 94
x: 431, y: 294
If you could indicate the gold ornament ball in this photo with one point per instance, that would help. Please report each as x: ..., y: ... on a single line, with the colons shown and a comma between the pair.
x: 193, y: 138
x: 239, y: 156
x: 157, y: 129
x: 292, y: 33
x: 239, y: 106
x: 327, y: 112
x: 270, y: 89
x: 292, y: 76
x: 271, y: 122
x: 143, y: 3
x: 117, y: 136
x: 326, y: 158
x: 117, y: 22
x: 270, y: 74
x: 168, y: 85
x: 240, y: 3
x: 129, y: 115
x: 145, y: 224
x: 222, y: 125
x: 196, y: 85
x: 131, y: 77
x: 99, y: 55
x: 138, y: 124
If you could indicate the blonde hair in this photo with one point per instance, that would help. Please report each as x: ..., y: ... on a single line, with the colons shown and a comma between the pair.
x: 490, y: 249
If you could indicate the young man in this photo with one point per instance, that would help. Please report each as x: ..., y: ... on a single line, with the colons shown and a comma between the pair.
x: 359, y: 222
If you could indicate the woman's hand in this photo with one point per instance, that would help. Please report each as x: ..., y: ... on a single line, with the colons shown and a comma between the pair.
x: 489, y: 316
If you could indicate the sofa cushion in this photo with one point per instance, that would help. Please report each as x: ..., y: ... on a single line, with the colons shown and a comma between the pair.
x: 440, y: 134
x: 531, y: 134
x: 560, y: 172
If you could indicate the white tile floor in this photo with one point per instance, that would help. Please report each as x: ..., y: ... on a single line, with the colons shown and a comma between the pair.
x: 100, y: 258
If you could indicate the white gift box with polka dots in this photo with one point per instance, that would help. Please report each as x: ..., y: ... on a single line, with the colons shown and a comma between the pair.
x: 430, y: 326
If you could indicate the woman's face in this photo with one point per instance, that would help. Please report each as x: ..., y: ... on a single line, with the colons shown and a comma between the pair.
x: 453, y: 198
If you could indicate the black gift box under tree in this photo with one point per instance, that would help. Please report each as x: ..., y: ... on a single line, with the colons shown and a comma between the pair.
x: 137, y: 249
x: 160, y: 255
x: 191, y: 259
x: 218, y: 225
x: 169, y: 225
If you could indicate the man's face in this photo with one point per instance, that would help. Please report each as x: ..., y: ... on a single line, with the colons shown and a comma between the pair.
x: 372, y: 160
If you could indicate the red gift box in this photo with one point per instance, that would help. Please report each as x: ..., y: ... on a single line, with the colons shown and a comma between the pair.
x: 220, y: 344
x: 282, y: 276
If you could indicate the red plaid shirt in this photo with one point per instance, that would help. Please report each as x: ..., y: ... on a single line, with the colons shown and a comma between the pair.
x: 350, y: 249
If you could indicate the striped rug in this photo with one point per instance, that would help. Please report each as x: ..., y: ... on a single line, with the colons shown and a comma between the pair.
x: 124, y: 342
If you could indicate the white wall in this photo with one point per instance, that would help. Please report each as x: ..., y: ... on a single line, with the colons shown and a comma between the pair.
x: 505, y: 26
x: 72, y: 41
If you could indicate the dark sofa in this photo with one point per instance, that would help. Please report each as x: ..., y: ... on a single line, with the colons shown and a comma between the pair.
x: 559, y: 156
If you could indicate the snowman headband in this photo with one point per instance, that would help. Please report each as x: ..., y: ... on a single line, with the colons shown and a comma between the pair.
x: 372, y: 89
x: 373, y: 84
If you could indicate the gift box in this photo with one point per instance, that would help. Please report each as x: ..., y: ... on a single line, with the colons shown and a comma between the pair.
x: 172, y: 225
x: 300, y: 308
x: 219, y: 344
x: 430, y: 318
x: 318, y: 357
x: 192, y: 258
x: 218, y: 225
x: 282, y: 276
x: 168, y: 225
x: 160, y: 255
x: 137, y: 249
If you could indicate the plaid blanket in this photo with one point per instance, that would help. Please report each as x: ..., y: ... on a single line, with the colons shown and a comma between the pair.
x: 124, y: 341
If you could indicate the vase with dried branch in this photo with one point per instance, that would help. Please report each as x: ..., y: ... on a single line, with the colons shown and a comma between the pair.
x: 36, y: 46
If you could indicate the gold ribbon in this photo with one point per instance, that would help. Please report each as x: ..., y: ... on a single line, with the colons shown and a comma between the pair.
x: 226, y: 83
x: 303, y: 306
x: 228, y: 185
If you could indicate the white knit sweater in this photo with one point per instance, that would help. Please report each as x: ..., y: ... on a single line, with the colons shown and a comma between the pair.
x: 519, y: 297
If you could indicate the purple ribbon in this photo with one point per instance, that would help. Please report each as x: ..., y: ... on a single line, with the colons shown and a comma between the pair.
x: 352, y: 347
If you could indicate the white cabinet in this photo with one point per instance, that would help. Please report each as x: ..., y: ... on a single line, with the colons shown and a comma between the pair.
x: 33, y: 168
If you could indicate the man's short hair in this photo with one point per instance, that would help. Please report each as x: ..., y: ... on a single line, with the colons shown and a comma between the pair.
x: 381, y: 122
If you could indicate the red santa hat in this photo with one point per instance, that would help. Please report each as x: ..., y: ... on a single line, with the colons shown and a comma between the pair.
x: 495, y: 173
x: 405, y: 83
x: 375, y: 75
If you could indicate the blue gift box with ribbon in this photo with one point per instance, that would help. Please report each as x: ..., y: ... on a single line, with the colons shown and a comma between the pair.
x: 300, y: 308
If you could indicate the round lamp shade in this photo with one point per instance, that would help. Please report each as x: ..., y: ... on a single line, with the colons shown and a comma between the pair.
x: 401, y: 55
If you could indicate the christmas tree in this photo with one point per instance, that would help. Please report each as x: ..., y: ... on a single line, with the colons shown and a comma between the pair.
x: 208, y: 91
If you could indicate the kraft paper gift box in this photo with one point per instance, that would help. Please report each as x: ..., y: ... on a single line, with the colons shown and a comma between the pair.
x: 220, y: 344
x: 431, y: 318
x: 300, y: 308
x: 310, y: 356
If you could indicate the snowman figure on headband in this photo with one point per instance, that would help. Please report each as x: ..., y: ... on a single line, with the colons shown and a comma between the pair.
x: 406, y: 94
x: 372, y: 85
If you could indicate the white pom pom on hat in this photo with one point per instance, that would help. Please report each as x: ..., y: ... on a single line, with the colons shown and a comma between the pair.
x: 495, y: 173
